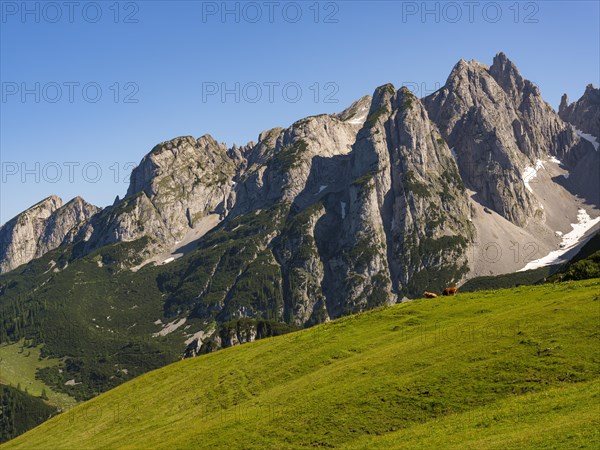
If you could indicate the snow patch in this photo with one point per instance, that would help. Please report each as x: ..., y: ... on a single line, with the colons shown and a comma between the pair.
x: 343, y: 205
x: 588, y: 137
x: 360, y: 119
x: 71, y: 382
x: 321, y: 189
x: 569, y: 240
x: 554, y: 160
x: 168, y: 260
x: 530, y: 173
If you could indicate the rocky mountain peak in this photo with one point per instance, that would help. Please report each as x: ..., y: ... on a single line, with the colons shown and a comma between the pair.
x: 498, y: 124
x: 584, y: 114
x: 591, y: 90
x: 506, y: 74
x: 465, y: 71
x: 175, y: 186
x: 564, y: 102
x: 381, y: 97
x: 45, y: 207
x: 41, y: 228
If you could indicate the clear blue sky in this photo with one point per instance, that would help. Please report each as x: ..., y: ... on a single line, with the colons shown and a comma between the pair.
x: 173, y: 49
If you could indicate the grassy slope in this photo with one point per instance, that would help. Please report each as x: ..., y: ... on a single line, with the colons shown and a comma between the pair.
x: 564, y: 417
x: 18, y: 365
x: 509, y: 280
x: 434, y: 372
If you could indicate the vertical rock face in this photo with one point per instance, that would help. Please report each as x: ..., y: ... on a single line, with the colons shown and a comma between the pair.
x: 497, y: 124
x: 41, y: 228
x: 302, y: 270
x: 422, y: 202
x: 584, y: 114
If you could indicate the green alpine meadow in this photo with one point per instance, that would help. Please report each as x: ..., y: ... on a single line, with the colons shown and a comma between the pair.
x: 508, y: 368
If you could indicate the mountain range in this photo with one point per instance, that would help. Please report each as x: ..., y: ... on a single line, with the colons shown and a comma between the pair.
x: 338, y: 213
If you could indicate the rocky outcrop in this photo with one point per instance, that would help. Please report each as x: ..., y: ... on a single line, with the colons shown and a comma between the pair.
x: 130, y: 219
x: 302, y: 269
x: 185, y: 179
x: 280, y: 165
x: 498, y: 124
x: 175, y: 185
x: 41, y: 228
x: 584, y: 114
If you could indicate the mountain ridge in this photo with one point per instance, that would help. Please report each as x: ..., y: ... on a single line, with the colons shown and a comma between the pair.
x: 339, y: 213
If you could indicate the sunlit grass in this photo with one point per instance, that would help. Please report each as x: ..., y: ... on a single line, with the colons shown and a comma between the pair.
x: 514, y: 368
x: 18, y: 365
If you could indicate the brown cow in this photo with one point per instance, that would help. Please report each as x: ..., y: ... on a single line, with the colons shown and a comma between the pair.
x: 450, y: 291
x: 429, y: 295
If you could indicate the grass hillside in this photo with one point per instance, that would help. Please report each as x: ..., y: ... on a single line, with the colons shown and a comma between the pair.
x: 515, y: 368
x: 18, y: 366
x: 509, y: 280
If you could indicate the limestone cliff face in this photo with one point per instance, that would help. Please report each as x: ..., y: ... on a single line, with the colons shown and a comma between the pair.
x: 185, y: 179
x: 498, y: 124
x: 584, y: 114
x: 286, y: 165
x: 130, y: 219
x: 302, y: 270
x: 175, y: 185
x: 421, y: 200
x: 41, y: 228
